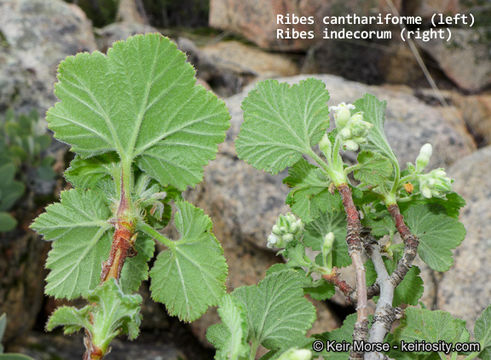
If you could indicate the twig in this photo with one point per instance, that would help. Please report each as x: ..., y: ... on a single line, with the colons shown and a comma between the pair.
x: 122, y: 247
x: 411, y: 243
x: 342, y: 285
x: 355, y: 249
x: 384, y: 313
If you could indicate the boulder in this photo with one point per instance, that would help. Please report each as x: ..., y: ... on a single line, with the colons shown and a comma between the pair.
x: 466, y: 59
x: 476, y: 111
x: 120, y: 31
x: 43, y: 32
x: 35, y: 35
x: 257, y: 20
x: 465, y: 289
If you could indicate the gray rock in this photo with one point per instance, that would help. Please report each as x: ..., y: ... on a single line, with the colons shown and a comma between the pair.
x: 120, y: 31
x: 465, y: 289
x: 43, y: 32
x: 466, y: 59
x: 34, y: 36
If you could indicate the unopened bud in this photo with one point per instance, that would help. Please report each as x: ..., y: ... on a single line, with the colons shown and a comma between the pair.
x: 325, y: 146
x: 423, y: 157
x: 342, y: 114
x: 296, y: 354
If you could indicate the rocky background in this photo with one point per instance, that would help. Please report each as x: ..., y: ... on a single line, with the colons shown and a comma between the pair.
x: 232, y: 45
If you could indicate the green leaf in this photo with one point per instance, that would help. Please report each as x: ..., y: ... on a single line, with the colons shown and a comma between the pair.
x: 71, y: 318
x: 142, y: 102
x: 10, y: 190
x: 430, y: 326
x: 482, y: 330
x: 282, y: 122
x: 191, y: 274
x: 438, y: 235
x: 450, y: 205
x: 409, y: 291
x: 3, y: 326
x: 88, y: 173
x: 322, y: 291
x: 230, y: 336
x: 277, y: 311
x: 374, y: 112
x: 7, y: 222
x: 82, y: 235
x: 344, y: 333
x: 110, y: 312
x: 380, y: 223
x: 115, y: 312
x: 310, y: 194
x: 329, y: 222
x: 135, y: 269
x: 375, y: 171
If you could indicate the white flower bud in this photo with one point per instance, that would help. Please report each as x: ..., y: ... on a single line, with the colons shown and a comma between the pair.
x: 342, y: 114
x: 350, y: 145
x: 296, y: 354
x: 423, y: 157
x: 327, y: 243
x: 345, y: 133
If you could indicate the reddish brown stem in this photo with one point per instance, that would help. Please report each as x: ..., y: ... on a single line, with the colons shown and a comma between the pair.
x: 122, y: 247
x: 342, y: 285
x: 353, y: 239
x: 411, y: 243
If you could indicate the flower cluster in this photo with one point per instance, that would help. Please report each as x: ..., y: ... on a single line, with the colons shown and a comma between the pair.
x: 436, y: 183
x: 287, y: 228
x: 352, y: 129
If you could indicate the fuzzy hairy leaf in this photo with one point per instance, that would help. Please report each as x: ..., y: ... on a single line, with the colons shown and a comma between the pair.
x: 82, y: 235
x: 230, y: 336
x: 88, y: 173
x: 277, y: 311
x: 482, y: 331
x: 329, y: 222
x: 110, y: 312
x: 438, y: 235
x: 113, y: 313
x: 375, y: 170
x: 142, y: 102
x: 190, y: 276
x: 374, y: 112
x: 430, y: 326
x: 310, y: 194
x: 282, y: 122
x: 71, y: 318
x: 450, y: 205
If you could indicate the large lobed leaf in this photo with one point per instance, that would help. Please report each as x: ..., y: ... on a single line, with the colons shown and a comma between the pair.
x: 282, y: 122
x: 329, y: 221
x: 79, y: 225
x: 277, y: 311
x: 142, y: 102
x: 438, y: 235
x: 430, y: 326
x: 310, y: 191
x: 191, y: 274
